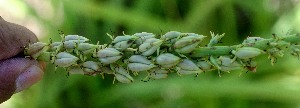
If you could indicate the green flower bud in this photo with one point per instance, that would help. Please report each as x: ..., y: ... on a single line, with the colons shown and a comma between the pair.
x: 75, y: 70
x: 227, y: 64
x: 139, y: 63
x: 138, y: 67
x: 90, y: 66
x: 76, y: 38
x: 204, y: 65
x: 109, y: 55
x: 143, y: 37
x: 167, y: 60
x: 158, y: 73
x: 247, y: 52
x: 71, y: 44
x: 123, y: 42
x: 187, y: 66
x: 64, y: 59
x: 86, y: 47
x: 122, y: 75
x: 170, y: 37
x: 250, y: 41
x: 188, y: 44
x: 35, y: 50
x: 53, y: 46
x: 150, y: 46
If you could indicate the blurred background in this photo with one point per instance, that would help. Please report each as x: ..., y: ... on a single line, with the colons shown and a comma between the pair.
x: 270, y: 86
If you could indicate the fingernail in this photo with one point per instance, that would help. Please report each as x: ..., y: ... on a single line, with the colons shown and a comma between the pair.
x: 30, y: 76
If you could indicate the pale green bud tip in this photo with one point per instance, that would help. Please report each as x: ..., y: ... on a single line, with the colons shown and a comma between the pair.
x: 139, y: 63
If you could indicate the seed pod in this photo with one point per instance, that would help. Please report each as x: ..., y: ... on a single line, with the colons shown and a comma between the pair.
x: 86, y: 47
x: 227, y: 64
x: 90, y: 66
x: 122, y: 75
x: 123, y: 42
x: 109, y: 55
x: 187, y: 66
x: 167, y: 60
x: 76, y: 38
x: 142, y: 37
x: 139, y: 63
x: 34, y: 50
x: 150, y: 46
x: 158, y: 73
x: 247, y: 52
x: 188, y: 43
x: 170, y: 37
x: 64, y: 59
x: 204, y: 65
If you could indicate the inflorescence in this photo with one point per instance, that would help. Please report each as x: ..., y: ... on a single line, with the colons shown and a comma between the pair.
x: 173, y: 52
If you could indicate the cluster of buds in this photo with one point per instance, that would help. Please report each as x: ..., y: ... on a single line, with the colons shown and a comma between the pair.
x: 173, y: 52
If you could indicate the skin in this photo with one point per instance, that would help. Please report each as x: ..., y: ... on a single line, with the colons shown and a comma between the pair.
x: 16, y: 72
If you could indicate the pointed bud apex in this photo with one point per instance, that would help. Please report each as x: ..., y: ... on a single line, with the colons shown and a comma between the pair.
x: 167, y: 60
x: 64, y: 59
x: 189, y: 43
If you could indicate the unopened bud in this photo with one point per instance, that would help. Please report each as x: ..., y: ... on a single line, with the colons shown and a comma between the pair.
x: 167, y: 60
x: 86, y: 47
x: 158, y: 73
x: 188, y: 44
x: 170, y: 37
x: 76, y: 38
x: 204, y: 65
x: 34, y: 50
x: 247, y: 52
x: 122, y: 75
x: 187, y: 66
x: 143, y: 37
x: 150, y: 46
x: 109, y: 55
x: 123, y: 42
x: 64, y: 59
x: 139, y: 63
x: 227, y: 64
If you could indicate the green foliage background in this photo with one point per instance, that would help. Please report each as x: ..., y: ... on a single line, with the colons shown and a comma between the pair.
x: 270, y: 86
